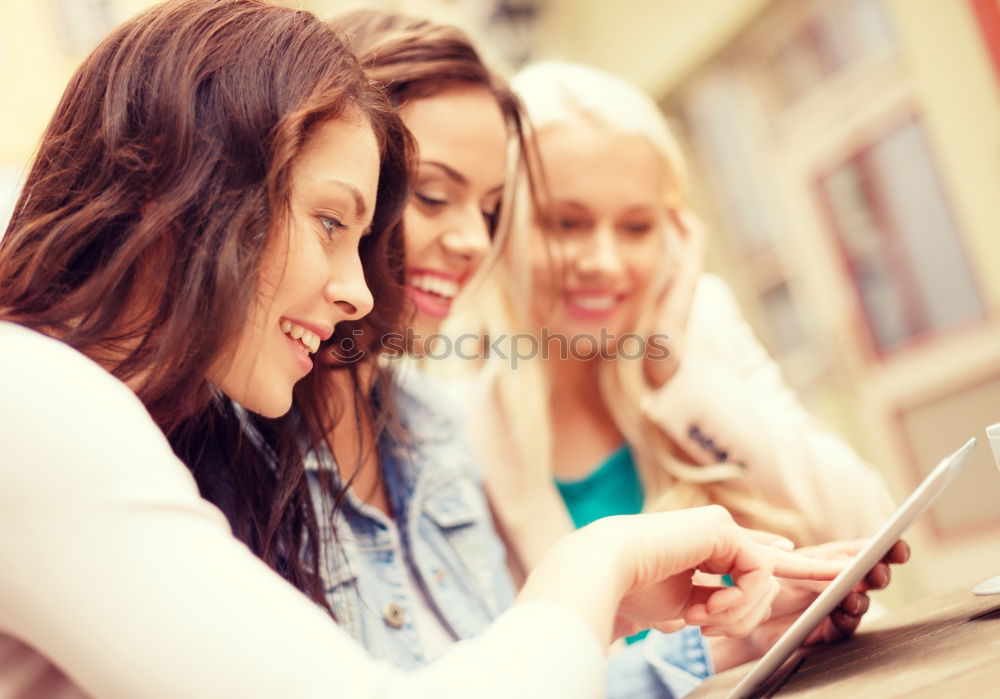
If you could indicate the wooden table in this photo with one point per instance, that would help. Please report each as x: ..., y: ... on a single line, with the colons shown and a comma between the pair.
x: 947, y: 646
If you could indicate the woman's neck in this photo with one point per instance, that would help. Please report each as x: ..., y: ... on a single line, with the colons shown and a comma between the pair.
x: 352, y: 440
x: 574, y: 381
x: 583, y: 430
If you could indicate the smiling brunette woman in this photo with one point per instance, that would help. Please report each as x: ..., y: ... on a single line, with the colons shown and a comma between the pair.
x: 163, y: 188
x: 193, y: 227
x: 422, y: 566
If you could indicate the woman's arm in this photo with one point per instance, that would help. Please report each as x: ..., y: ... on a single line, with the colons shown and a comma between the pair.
x: 116, y: 571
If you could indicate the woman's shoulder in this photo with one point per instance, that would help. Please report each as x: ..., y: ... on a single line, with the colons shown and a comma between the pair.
x: 716, y: 320
x: 713, y: 296
x: 67, y: 422
x: 31, y: 360
x: 41, y: 374
x: 423, y: 402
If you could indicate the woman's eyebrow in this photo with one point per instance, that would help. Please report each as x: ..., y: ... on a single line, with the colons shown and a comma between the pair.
x: 640, y: 209
x: 360, y: 207
x: 450, y: 172
x: 570, y: 204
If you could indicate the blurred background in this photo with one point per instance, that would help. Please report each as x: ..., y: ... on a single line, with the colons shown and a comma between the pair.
x: 846, y: 155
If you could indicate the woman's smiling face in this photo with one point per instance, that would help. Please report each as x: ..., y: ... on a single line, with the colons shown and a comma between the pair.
x: 461, y: 137
x: 311, y: 276
x: 601, y: 242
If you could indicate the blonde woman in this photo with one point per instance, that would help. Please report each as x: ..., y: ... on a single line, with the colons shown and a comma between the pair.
x: 629, y: 380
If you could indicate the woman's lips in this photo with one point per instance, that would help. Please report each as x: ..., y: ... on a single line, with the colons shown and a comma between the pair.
x: 593, y: 306
x: 429, y: 304
x: 433, y: 291
x: 299, y: 354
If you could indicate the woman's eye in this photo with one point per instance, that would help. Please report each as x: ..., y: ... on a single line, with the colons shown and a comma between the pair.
x: 331, y: 225
x: 568, y: 224
x: 491, y: 218
x: 430, y: 201
x: 637, y: 228
x: 564, y: 224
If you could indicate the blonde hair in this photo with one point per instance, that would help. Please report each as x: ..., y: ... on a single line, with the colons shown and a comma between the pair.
x: 555, y: 93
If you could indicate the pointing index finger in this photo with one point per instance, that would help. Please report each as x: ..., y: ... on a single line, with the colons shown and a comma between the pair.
x: 797, y: 567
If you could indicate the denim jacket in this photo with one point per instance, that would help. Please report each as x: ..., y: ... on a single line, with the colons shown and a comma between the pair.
x: 444, y: 529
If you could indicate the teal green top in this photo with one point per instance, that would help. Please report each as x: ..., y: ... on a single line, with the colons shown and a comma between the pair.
x: 612, y: 489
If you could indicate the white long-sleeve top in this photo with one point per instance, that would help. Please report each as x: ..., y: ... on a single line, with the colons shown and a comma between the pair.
x: 118, y: 580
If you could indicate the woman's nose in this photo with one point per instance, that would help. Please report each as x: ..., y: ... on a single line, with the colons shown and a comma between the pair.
x: 599, y: 254
x: 468, y: 236
x: 348, y: 290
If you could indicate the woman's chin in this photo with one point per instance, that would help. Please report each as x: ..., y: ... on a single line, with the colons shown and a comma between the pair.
x: 271, y: 406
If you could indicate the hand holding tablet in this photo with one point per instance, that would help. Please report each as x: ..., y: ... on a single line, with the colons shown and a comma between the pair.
x: 859, y: 567
x: 794, y: 596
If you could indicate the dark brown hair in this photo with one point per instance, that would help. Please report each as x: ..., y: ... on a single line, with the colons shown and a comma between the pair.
x: 156, y: 186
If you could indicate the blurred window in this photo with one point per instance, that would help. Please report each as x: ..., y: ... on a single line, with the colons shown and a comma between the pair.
x: 723, y: 119
x: 783, y: 322
x: 987, y: 13
x: 825, y: 41
x: 899, y: 239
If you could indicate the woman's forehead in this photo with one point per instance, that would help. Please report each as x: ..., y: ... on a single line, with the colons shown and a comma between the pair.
x: 586, y: 163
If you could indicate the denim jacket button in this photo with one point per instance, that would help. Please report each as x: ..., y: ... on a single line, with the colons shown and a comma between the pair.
x: 394, y: 616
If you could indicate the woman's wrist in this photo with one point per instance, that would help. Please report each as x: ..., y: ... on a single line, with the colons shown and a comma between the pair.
x: 580, y: 572
x: 731, y: 652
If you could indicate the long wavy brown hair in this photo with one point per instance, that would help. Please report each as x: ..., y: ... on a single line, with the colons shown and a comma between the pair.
x: 138, y: 235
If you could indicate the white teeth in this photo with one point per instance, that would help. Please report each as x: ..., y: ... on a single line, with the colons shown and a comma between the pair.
x: 433, y: 284
x: 594, y: 303
x: 309, y: 340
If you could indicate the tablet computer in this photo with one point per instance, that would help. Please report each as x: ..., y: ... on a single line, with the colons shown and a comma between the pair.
x: 925, y: 494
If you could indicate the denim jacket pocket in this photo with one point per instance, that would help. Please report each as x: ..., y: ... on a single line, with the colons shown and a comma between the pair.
x: 454, y: 504
x: 466, y: 541
x: 460, y: 516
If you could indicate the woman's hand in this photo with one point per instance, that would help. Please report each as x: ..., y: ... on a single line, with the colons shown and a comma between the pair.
x: 795, y: 595
x: 628, y: 573
x: 844, y: 620
x: 687, y: 262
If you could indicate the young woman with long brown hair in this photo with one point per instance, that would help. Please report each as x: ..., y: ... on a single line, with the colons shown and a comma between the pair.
x: 414, y: 494
x: 194, y: 227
